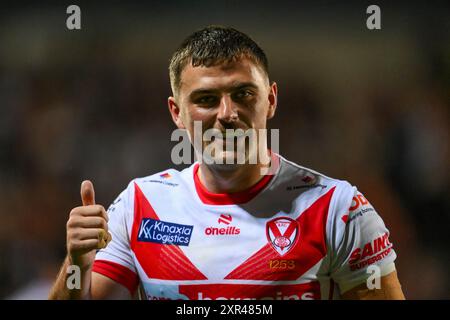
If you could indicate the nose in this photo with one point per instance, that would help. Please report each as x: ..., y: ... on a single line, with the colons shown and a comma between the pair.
x: 228, y: 113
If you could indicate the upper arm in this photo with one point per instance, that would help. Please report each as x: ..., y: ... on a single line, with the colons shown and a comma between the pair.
x: 103, y: 287
x: 359, y: 240
x: 390, y: 289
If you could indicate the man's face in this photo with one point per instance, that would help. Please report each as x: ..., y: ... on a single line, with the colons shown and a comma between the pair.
x: 235, y: 95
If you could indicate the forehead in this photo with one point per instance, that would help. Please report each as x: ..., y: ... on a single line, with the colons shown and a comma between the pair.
x: 222, y: 75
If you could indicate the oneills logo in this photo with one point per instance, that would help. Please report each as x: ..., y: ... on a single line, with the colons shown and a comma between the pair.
x: 225, y: 219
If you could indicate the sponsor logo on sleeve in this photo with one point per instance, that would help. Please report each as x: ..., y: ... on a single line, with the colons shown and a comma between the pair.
x: 357, y: 201
x: 157, y: 231
x: 372, y: 252
x: 360, y: 205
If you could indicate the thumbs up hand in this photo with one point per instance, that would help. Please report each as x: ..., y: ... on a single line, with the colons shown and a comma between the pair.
x: 87, y: 228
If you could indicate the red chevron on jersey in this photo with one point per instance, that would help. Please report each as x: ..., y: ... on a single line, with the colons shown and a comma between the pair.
x: 176, y: 267
x: 290, y: 236
x: 309, y: 249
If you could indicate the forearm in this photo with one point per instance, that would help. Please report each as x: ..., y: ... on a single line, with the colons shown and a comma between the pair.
x: 64, y: 289
x: 390, y: 290
x: 87, y: 231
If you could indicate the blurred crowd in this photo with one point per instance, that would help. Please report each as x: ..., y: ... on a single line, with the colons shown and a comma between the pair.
x: 370, y: 109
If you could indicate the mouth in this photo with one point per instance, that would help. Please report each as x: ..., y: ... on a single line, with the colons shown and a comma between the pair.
x: 231, y: 134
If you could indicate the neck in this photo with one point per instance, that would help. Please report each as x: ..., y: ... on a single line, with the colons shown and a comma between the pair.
x: 230, y: 179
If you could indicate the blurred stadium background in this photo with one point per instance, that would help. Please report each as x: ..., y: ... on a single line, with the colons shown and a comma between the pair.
x: 371, y: 107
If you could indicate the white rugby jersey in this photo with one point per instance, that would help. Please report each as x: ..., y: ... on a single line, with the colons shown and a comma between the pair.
x: 296, y: 234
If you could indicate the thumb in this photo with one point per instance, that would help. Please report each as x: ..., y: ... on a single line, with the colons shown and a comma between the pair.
x: 87, y: 193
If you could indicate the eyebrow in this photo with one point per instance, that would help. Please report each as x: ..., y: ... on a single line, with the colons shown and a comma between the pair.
x: 233, y: 87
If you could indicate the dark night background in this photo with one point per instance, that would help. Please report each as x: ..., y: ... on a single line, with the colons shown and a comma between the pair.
x: 370, y: 107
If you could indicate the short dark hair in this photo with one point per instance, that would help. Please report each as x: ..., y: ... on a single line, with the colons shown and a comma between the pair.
x: 211, y: 46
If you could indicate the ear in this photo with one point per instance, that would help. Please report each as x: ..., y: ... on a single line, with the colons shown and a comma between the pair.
x: 273, y: 100
x: 175, y: 112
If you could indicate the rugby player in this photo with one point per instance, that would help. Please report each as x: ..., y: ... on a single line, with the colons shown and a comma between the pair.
x: 219, y: 230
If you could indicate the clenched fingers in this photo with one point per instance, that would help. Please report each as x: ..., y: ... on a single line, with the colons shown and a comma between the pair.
x: 87, y: 222
x: 93, y: 210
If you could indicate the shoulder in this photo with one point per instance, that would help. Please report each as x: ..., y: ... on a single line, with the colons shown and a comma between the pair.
x: 338, y: 193
x: 168, y: 177
x: 158, y: 189
x: 341, y: 191
x: 159, y: 184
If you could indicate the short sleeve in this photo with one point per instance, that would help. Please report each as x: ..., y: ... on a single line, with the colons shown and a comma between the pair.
x: 364, y: 241
x: 116, y: 260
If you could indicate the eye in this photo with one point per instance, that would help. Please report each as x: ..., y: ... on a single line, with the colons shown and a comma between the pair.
x: 245, y: 93
x: 207, y: 100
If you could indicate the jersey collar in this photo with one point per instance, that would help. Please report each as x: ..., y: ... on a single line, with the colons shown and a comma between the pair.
x: 240, y: 197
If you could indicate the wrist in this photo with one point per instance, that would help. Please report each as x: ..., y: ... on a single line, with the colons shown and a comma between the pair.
x: 85, y: 265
